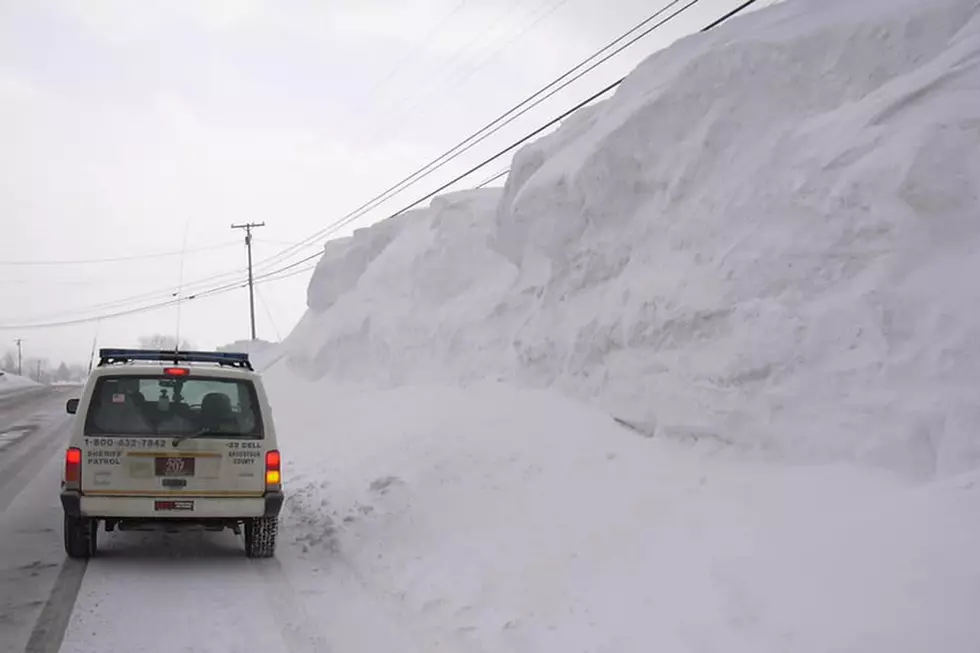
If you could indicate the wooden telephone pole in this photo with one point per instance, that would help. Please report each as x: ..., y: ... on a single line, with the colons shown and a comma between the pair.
x: 248, y: 245
x: 20, y: 357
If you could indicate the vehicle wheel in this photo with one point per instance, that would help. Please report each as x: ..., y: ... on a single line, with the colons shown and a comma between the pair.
x: 260, y: 537
x: 81, y: 536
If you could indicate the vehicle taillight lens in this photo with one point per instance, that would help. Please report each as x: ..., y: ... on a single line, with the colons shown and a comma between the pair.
x: 176, y: 371
x: 273, y: 469
x: 73, y: 466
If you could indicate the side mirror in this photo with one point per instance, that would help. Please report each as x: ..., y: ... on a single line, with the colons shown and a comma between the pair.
x: 72, y: 406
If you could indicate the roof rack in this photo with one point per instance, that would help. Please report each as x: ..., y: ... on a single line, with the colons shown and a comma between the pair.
x: 231, y: 359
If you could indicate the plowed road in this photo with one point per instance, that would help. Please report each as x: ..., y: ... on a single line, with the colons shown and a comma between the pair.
x: 143, y: 592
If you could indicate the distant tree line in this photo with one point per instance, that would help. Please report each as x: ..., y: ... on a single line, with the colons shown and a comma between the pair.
x: 42, y: 370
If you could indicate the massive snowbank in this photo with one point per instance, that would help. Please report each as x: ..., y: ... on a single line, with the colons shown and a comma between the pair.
x: 768, y: 237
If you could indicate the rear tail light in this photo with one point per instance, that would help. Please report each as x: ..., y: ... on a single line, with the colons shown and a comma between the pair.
x: 73, y: 467
x: 273, y: 469
x: 176, y: 371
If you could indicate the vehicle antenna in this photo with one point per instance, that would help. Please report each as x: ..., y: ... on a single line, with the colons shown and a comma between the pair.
x: 180, y: 283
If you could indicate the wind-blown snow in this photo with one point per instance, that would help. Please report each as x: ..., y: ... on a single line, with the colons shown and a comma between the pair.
x: 768, y: 238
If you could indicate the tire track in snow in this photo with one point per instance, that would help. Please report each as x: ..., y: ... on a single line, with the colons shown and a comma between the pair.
x: 17, y: 406
x: 21, y: 459
x: 298, y: 631
x: 222, y: 601
x: 38, y: 586
x: 49, y: 631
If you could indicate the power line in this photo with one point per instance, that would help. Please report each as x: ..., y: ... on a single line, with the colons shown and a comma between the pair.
x: 163, y: 293
x: 462, y: 147
x: 280, y: 273
x: 342, y: 223
x: 466, y: 73
x: 418, y: 47
x: 115, y: 259
x: 469, y: 142
x: 500, y: 122
x: 277, y: 274
x: 350, y: 217
x: 160, y: 293
x: 547, y: 10
x: 731, y: 14
x: 422, y: 89
x: 512, y: 146
x: 248, y: 245
x: 285, y: 242
x: 494, y: 126
x: 40, y: 281
x: 490, y: 180
x: 268, y: 314
x: 220, y: 290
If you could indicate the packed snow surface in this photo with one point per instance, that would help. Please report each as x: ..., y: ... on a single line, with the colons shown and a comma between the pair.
x: 496, y: 519
x: 768, y: 237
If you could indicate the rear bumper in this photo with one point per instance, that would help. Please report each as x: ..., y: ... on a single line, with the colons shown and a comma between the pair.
x: 77, y: 504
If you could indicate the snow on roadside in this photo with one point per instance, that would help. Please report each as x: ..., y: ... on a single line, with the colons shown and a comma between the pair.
x: 492, y: 518
x: 10, y: 381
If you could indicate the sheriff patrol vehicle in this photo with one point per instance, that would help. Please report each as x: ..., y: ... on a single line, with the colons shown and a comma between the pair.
x: 172, y: 440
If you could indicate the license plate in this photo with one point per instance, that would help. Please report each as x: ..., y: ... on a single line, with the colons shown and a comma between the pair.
x: 181, y: 504
x: 174, y: 466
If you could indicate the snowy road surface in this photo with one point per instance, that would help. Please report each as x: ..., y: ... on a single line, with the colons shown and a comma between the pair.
x: 32, y: 432
x: 145, y: 592
x: 189, y: 592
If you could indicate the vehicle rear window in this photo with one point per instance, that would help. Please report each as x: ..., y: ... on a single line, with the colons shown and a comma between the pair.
x: 187, y: 406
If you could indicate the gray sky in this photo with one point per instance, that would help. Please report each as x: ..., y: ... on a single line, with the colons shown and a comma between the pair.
x: 141, y: 129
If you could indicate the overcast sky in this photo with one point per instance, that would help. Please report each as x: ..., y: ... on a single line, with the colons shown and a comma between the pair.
x: 138, y: 130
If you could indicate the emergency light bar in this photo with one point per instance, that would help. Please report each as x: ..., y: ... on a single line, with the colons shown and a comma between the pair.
x: 233, y: 359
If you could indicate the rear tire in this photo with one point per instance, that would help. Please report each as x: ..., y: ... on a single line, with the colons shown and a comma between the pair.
x: 81, y: 537
x: 260, y: 537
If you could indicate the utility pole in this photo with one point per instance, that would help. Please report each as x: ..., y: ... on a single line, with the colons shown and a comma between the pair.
x: 248, y: 245
x: 20, y: 357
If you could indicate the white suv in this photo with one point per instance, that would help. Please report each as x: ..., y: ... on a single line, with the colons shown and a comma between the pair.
x: 165, y: 440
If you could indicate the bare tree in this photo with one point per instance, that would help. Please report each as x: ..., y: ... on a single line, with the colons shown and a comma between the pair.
x: 159, y: 341
x: 37, y: 369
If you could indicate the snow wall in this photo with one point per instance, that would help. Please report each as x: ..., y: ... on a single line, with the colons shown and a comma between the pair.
x: 768, y: 238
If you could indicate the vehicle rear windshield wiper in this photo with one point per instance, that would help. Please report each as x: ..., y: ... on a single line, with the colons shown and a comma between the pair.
x: 180, y: 438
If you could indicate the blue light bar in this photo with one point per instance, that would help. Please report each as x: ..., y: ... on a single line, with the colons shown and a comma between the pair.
x: 236, y: 359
